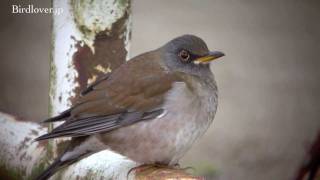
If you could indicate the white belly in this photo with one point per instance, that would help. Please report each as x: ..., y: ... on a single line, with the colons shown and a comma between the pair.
x: 168, y: 137
x: 193, y: 114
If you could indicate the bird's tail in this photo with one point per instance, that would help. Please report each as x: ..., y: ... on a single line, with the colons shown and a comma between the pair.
x: 54, y: 167
x: 57, y: 165
x: 75, y: 151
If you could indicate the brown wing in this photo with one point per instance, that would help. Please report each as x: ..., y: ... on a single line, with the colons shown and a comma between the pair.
x: 133, y: 92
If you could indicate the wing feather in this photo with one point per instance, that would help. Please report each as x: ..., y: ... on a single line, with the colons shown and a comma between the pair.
x: 92, y: 125
x: 121, y: 98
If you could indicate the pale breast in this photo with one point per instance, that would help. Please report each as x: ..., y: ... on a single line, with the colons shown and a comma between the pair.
x: 168, y: 137
x: 193, y: 113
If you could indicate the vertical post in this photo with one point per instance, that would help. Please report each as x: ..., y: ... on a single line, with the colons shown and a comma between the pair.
x: 90, y: 38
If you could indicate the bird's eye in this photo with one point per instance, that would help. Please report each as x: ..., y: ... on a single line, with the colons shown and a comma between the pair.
x: 184, y: 55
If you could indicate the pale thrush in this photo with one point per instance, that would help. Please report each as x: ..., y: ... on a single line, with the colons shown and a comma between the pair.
x: 151, y: 109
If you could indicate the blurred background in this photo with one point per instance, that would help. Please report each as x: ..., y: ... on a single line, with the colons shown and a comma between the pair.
x: 269, y: 80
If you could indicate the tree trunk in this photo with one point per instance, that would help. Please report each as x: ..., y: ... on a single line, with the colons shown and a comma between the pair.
x: 90, y: 39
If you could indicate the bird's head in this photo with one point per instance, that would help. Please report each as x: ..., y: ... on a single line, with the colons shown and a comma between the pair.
x: 188, y: 54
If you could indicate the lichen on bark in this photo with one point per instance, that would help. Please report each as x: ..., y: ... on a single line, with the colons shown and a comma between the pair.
x: 95, y: 16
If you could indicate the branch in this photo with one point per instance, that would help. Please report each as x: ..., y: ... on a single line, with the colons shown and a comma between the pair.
x: 21, y: 157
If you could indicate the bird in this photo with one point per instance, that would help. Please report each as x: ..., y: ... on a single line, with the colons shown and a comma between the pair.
x: 150, y: 109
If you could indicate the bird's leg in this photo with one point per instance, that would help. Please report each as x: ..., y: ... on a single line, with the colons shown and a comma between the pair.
x: 140, y: 168
x: 145, y: 167
x: 158, y: 169
x: 186, y: 169
x: 176, y: 166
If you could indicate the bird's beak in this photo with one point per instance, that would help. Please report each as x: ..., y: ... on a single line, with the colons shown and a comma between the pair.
x: 210, y: 57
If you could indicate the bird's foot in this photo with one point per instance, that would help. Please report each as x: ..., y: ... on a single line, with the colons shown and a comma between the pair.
x: 140, y: 168
x: 149, y: 171
x: 152, y: 167
x: 186, y: 169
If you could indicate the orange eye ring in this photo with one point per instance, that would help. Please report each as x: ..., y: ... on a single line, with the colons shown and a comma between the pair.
x: 184, y: 55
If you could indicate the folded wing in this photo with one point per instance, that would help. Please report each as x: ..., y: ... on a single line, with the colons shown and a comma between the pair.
x: 124, y: 97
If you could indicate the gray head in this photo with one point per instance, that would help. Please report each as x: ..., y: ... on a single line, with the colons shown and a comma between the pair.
x: 188, y: 54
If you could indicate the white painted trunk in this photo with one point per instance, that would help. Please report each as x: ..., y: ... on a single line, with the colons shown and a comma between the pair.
x: 94, y: 16
x: 20, y: 156
x: 76, y: 27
